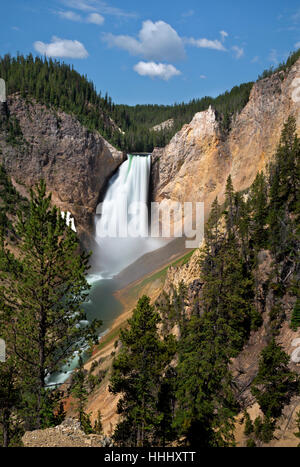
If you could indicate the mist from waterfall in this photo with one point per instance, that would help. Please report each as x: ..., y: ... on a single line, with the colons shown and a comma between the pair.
x: 122, y: 228
x: 127, y: 189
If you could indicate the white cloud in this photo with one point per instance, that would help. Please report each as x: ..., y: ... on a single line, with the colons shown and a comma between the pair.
x: 276, y: 57
x: 239, y: 51
x: 206, y: 44
x: 83, y: 5
x: 255, y: 59
x: 273, y: 57
x: 156, y: 41
x: 224, y: 34
x: 69, y: 15
x: 188, y: 14
x: 297, y: 45
x: 98, y: 6
x: 203, y: 77
x: 95, y: 18
x: 61, y: 48
x: 156, y: 70
x: 296, y: 16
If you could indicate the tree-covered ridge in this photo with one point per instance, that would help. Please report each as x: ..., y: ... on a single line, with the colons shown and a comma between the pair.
x: 10, y: 203
x: 284, y: 66
x: 140, y: 119
x: 194, y: 400
x: 41, y: 293
x: 58, y: 85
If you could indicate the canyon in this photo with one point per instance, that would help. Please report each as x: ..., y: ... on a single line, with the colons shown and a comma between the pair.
x: 198, y: 160
x: 77, y: 165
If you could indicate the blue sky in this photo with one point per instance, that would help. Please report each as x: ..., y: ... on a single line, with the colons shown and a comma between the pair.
x: 158, y: 51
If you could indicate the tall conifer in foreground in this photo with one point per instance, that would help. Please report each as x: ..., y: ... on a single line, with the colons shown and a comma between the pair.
x: 138, y: 375
x: 43, y: 298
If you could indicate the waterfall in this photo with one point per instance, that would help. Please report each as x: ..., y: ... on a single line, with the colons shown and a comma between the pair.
x: 124, y: 213
x: 121, y: 221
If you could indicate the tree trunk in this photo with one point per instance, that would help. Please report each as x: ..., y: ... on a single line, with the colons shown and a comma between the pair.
x: 6, y: 437
x: 42, y: 334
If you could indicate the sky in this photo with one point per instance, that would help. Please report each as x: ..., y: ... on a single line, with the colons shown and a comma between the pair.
x: 155, y: 51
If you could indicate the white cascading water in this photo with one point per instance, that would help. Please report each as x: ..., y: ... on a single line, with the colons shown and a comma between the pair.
x: 127, y: 190
x: 122, y: 229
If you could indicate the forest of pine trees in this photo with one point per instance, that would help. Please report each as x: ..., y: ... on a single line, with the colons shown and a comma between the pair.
x: 183, y: 391
x: 41, y: 292
x: 171, y: 390
x: 58, y: 85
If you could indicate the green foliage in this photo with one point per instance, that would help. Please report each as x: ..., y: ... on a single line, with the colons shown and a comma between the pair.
x: 295, y: 321
x: 14, y: 132
x: 251, y: 443
x: 138, y: 121
x: 249, y: 429
x: 199, y: 404
x: 258, y: 203
x: 79, y: 393
x: 98, y: 429
x: 284, y: 180
x: 86, y: 424
x: 264, y: 429
x: 297, y: 434
x: 42, y: 293
x: 284, y: 66
x: 274, y: 383
x: 10, y: 202
x: 206, y: 406
x: 261, y: 431
x: 138, y: 375
x: 10, y: 401
x: 58, y: 85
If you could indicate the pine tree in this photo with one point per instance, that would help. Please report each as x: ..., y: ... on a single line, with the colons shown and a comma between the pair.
x: 137, y: 376
x: 298, y: 426
x: 259, y: 211
x: 43, y: 294
x: 10, y: 402
x: 80, y: 394
x: 295, y: 321
x: 285, y: 194
x: 205, y: 403
x: 274, y: 383
x: 98, y: 428
x: 229, y: 205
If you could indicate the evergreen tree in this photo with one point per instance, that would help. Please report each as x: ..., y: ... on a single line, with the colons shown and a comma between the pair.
x: 98, y: 428
x: 259, y: 211
x: 138, y: 374
x: 80, y: 394
x: 10, y: 402
x: 205, y: 403
x: 274, y: 383
x: 285, y: 195
x: 229, y: 204
x: 298, y: 426
x: 43, y: 291
x: 295, y: 321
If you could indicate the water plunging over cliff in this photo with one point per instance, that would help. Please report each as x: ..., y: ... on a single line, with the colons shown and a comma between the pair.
x: 122, y: 219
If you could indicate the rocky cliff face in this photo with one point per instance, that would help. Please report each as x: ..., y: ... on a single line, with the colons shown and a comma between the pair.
x: 244, y: 367
x: 75, y: 163
x: 196, y: 163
